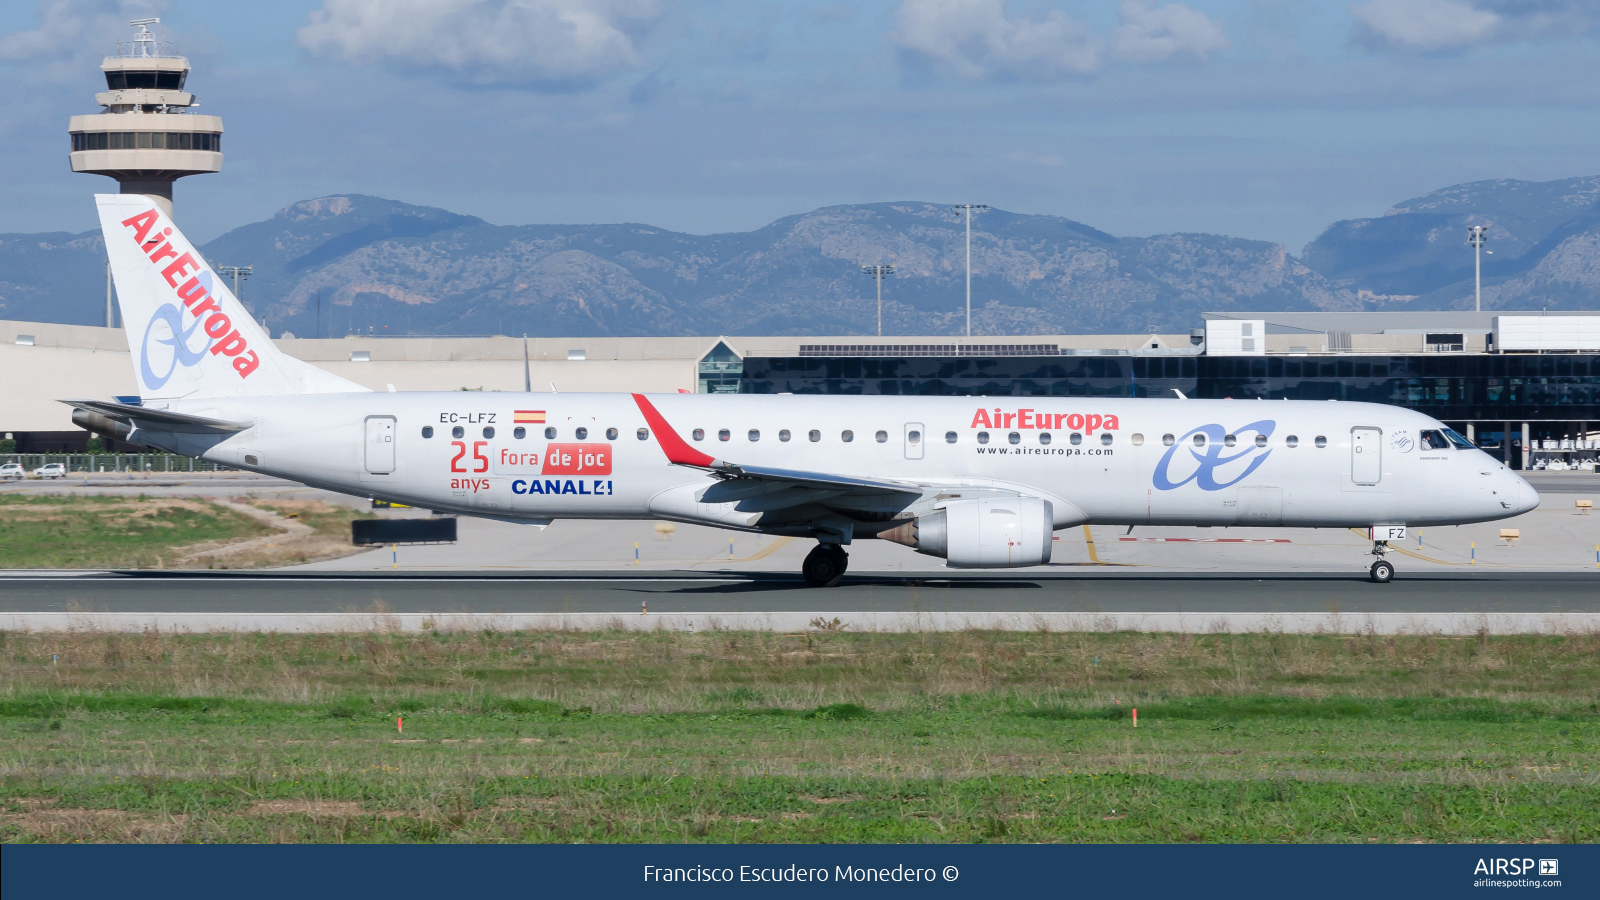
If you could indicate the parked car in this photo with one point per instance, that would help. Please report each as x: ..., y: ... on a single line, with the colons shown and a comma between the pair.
x: 51, y: 470
x: 12, y: 470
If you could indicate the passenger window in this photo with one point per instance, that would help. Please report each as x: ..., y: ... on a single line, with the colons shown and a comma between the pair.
x: 1075, y: 439
x: 519, y: 432
x: 488, y: 431
x: 644, y: 434
x: 755, y: 435
x: 950, y: 437
x: 847, y: 436
x: 1014, y: 438
x: 698, y: 434
x: 1200, y: 440
x: 1291, y: 442
x: 611, y: 434
x: 983, y: 437
x: 814, y: 436
x: 1261, y: 440
x: 581, y: 433
x: 427, y: 431
x: 724, y: 434
x: 458, y: 432
x: 1229, y: 440
x: 881, y: 436
x: 549, y: 434
x: 1106, y: 439
x: 784, y: 435
x: 1138, y: 440
x: 1044, y: 437
x: 1322, y: 441
x: 913, y: 437
x: 1167, y: 440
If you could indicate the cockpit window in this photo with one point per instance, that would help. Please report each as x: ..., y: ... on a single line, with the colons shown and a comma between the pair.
x: 1433, y: 440
x: 1454, y: 438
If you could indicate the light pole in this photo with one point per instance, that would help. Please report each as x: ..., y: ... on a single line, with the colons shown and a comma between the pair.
x: 239, y: 273
x: 878, y: 274
x: 1476, y: 238
x: 968, y: 208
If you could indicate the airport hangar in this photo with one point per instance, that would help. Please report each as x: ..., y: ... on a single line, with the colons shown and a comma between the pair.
x: 1511, y: 381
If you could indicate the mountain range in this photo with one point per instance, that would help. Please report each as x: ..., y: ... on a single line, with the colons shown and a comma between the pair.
x: 352, y: 263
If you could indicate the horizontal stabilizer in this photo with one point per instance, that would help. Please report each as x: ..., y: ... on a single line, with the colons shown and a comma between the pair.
x: 157, y: 419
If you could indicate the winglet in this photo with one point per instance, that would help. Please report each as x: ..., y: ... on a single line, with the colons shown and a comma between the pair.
x: 678, y: 452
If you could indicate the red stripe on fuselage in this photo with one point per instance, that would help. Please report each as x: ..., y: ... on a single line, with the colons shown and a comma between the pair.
x: 677, y: 451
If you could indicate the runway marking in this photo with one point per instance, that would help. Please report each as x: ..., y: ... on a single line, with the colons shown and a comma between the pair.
x: 1210, y: 540
x: 1088, y: 537
x: 1415, y: 555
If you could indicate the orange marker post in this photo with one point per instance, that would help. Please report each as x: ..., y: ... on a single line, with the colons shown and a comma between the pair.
x: 400, y: 724
x: 1136, y: 718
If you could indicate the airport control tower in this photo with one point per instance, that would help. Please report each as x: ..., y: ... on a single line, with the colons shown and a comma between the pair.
x: 146, y: 137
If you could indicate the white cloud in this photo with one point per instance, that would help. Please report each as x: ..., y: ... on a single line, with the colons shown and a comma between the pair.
x: 485, y: 41
x: 1431, y: 26
x: 974, y: 39
x: 73, y: 35
x: 1168, y: 33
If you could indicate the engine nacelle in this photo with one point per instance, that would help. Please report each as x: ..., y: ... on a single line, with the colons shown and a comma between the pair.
x: 998, y: 533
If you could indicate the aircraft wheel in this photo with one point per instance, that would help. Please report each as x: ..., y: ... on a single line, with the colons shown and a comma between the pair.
x: 1382, y: 572
x: 824, y: 566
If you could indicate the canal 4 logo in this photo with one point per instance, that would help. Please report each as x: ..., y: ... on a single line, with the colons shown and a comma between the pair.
x: 1218, y: 459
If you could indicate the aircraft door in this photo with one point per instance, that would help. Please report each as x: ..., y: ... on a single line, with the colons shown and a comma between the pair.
x: 1366, y: 455
x: 380, y: 445
x: 915, y: 438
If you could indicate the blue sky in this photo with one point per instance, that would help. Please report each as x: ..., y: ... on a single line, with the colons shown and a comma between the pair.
x: 1265, y: 119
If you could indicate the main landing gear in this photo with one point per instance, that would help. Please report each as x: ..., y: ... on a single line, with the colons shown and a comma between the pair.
x: 825, y: 565
x: 1382, y: 571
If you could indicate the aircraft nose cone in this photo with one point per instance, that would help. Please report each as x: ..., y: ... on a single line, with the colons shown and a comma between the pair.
x: 1527, y: 497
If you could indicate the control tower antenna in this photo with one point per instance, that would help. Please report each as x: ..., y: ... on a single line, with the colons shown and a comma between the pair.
x: 147, y: 136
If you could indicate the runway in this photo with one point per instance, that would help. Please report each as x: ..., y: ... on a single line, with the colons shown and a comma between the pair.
x: 612, y: 593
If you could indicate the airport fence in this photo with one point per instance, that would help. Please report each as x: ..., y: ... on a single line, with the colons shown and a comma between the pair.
x: 113, y: 463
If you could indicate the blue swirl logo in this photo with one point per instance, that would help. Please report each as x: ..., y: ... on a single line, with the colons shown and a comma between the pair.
x: 177, y: 338
x: 1216, y: 454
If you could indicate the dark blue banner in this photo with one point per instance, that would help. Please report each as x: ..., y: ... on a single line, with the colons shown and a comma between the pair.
x: 1122, y: 871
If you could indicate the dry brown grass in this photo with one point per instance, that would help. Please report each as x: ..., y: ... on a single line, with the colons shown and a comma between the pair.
x: 634, y: 672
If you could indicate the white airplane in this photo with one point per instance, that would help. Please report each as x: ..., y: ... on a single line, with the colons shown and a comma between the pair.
x: 979, y: 481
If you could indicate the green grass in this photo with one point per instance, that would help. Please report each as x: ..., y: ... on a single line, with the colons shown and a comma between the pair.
x: 42, y: 531
x: 559, y: 736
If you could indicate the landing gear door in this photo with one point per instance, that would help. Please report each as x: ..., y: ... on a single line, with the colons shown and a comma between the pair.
x: 1366, y: 455
x: 915, y: 437
x: 379, y: 445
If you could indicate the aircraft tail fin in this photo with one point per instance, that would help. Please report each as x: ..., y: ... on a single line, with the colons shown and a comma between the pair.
x: 189, y: 336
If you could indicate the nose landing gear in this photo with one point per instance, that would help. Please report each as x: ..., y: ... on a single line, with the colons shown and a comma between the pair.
x: 1382, y: 571
x: 825, y: 565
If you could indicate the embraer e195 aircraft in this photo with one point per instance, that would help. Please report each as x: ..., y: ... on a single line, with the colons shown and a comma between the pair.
x: 979, y: 481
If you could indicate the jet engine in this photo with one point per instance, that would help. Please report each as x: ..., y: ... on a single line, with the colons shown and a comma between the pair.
x: 997, y: 533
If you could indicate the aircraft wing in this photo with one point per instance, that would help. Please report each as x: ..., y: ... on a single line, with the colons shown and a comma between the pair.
x: 679, y: 453
x: 156, y: 419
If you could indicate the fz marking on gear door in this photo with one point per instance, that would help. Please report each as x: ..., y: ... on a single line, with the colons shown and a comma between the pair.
x: 1366, y: 455
x: 915, y: 438
x: 380, y: 445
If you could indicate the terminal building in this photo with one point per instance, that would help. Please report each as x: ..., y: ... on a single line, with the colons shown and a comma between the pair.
x: 1524, y: 386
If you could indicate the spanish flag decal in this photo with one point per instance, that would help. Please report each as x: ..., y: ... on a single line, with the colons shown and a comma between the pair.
x: 528, y: 417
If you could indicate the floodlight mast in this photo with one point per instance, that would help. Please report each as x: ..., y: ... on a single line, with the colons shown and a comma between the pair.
x: 1476, y: 237
x: 878, y: 274
x: 968, y: 208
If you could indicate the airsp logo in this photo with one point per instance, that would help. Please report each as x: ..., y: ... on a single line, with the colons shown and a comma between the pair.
x: 1401, y: 441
